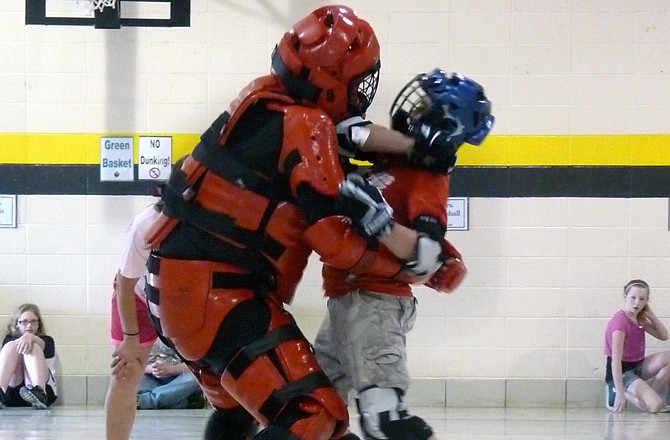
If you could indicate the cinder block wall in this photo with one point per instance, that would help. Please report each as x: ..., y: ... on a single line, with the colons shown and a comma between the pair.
x: 573, y: 84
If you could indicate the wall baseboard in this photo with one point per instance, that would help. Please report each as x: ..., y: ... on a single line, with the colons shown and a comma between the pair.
x: 463, y: 393
x: 507, y: 393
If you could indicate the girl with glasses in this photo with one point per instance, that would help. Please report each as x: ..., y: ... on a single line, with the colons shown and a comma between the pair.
x: 27, y: 361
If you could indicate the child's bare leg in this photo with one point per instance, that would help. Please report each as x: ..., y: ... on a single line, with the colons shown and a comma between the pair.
x: 11, y: 368
x: 35, y: 366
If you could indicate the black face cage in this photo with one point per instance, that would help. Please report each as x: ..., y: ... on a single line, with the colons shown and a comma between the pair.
x: 412, y: 100
x: 413, y: 104
x: 362, y: 90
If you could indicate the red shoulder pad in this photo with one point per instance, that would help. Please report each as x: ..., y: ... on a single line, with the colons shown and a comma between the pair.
x: 263, y: 88
x: 311, y: 134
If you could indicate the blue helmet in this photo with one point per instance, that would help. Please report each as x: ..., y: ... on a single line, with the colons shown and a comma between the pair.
x: 453, y: 103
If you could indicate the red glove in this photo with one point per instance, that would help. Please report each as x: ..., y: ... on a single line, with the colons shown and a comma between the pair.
x: 452, y: 272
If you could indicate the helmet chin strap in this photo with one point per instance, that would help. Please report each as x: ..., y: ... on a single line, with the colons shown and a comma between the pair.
x: 296, y: 85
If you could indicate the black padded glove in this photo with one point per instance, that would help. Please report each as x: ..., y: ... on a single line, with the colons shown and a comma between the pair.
x: 365, y: 206
x: 433, y: 148
x: 400, y: 121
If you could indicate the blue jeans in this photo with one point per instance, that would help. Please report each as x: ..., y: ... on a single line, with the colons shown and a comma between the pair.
x: 167, y: 392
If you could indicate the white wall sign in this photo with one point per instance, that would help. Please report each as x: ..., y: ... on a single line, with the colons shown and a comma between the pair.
x: 457, y: 211
x: 7, y: 211
x: 116, y: 159
x: 155, y: 158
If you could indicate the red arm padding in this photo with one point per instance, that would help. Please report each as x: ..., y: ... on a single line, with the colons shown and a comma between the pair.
x: 452, y: 272
x: 339, y: 246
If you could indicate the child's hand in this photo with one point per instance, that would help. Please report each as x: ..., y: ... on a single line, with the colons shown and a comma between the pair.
x: 619, y: 403
x: 159, y: 369
x: 647, y: 315
x: 648, y: 312
x: 24, y: 344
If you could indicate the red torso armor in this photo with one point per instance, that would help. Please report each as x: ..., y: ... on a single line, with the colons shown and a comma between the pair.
x: 271, y: 230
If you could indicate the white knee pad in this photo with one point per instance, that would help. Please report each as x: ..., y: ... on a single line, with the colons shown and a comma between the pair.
x: 377, y: 405
x: 384, y: 416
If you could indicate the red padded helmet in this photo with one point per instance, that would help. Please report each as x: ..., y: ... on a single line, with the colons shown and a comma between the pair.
x: 330, y: 58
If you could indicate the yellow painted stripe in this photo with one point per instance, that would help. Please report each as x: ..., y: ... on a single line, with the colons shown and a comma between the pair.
x: 74, y: 149
x: 585, y: 150
x: 521, y: 150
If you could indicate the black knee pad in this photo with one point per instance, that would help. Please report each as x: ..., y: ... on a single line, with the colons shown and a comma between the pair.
x: 410, y: 428
x: 276, y: 433
x: 230, y: 424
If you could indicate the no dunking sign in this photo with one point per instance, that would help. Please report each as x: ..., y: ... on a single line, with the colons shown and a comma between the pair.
x: 155, y: 157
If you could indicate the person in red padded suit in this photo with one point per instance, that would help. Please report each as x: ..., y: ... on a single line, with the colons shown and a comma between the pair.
x: 361, y: 343
x: 255, y: 197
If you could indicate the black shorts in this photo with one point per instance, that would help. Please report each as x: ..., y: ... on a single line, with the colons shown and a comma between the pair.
x: 635, y: 367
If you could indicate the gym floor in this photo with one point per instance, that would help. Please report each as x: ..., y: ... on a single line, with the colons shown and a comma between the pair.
x: 71, y: 422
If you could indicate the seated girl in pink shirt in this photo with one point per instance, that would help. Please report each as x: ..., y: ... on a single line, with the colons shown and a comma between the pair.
x: 630, y: 375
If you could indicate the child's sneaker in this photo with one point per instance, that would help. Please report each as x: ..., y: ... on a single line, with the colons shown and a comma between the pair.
x: 2, y: 399
x: 610, y: 396
x: 35, y: 396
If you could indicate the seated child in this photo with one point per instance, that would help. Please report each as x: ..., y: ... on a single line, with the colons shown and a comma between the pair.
x: 27, y: 361
x: 168, y: 383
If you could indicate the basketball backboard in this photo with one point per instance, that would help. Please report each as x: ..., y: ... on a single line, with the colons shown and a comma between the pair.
x: 142, y: 13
